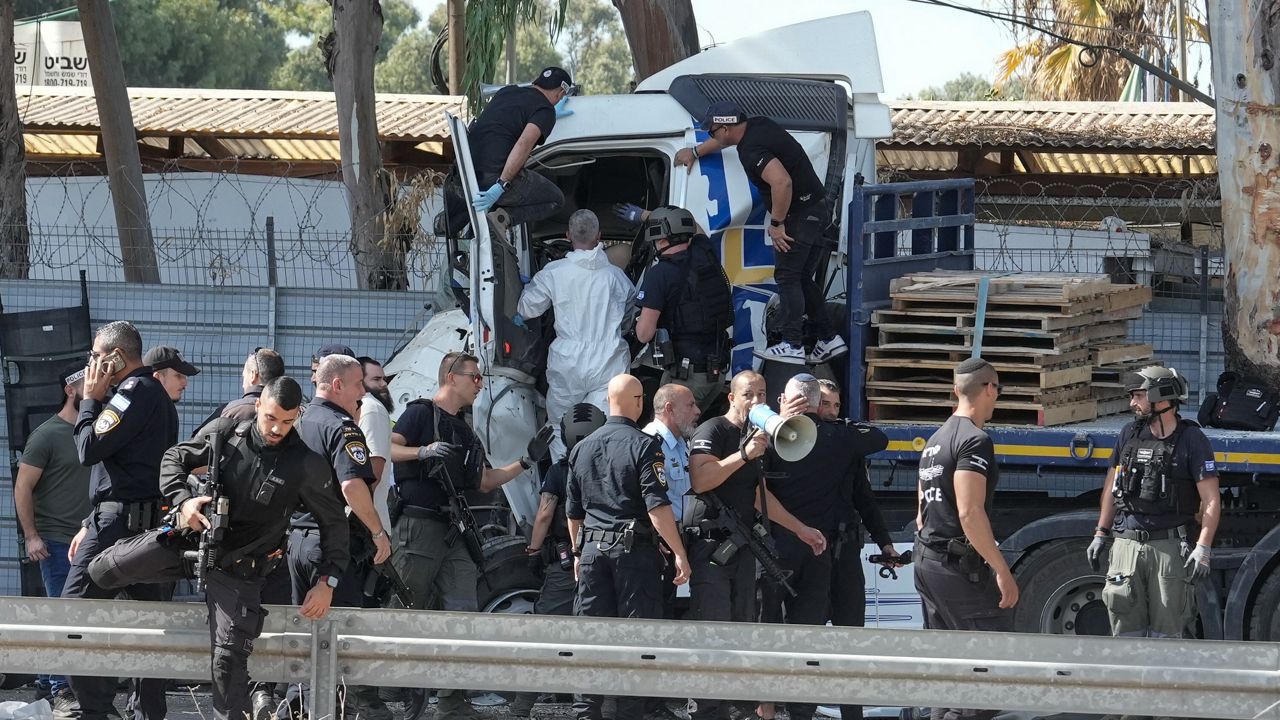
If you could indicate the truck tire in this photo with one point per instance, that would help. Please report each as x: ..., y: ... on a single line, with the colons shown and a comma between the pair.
x: 1264, y: 620
x: 1059, y: 593
x: 510, y: 583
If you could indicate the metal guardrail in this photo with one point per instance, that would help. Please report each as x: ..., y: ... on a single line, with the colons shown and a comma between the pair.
x: 405, y: 648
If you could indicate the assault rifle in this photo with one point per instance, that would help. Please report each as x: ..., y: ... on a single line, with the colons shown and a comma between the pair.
x: 462, y: 524
x: 217, y: 512
x: 394, y: 586
x: 753, y: 537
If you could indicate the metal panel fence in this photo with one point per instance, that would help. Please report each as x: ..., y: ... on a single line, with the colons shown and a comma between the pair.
x: 216, y: 328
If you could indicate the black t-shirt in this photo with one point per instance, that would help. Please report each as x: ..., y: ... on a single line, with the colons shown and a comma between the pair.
x: 1193, y: 461
x: 330, y: 432
x: 616, y: 474
x: 765, y: 140
x: 553, y: 483
x: 957, y: 445
x: 421, y: 424
x: 817, y: 488
x: 500, y: 125
x: 663, y: 289
x: 720, y: 438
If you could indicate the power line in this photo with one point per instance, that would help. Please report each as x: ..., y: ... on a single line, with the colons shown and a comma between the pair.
x: 1005, y: 17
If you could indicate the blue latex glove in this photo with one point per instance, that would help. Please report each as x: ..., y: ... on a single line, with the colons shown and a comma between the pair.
x: 487, y: 198
x: 562, y: 108
x: 627, y: 212
x: 518, y: 320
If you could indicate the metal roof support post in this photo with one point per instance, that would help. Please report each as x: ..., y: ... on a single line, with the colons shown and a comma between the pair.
x: 272, y: 279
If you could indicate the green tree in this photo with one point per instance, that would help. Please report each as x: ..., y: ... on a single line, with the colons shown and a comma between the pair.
x: 595, y: 48
x: 971, y: 86
x: 308, y: 23
x: 407, y: 67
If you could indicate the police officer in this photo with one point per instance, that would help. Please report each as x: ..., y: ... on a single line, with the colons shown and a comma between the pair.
x: 687, y: 295
x: 779, y: 168
x: 724, y: 460
x: 857, y: 509
x: 327, y: 428
x: 122, y: 440
x: 517, y: 119
x: 550, y: 537
x: 617, y: 505
x: 1162, y: 475
x: 264, y: 472
x: 963, y: 580
x: 430, y: 442
x: 170, y: 369
x: 819, y: 490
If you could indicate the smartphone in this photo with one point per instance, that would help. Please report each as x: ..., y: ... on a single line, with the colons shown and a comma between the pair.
x: 112, y: 362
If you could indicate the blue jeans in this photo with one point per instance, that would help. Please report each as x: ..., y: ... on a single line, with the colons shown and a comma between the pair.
x: 53, y: 570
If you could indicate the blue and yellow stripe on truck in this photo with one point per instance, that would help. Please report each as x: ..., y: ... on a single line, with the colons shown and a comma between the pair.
x: 1063, y: 447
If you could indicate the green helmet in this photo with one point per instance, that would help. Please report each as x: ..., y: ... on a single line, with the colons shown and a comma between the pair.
x: 1161, y: 383
x: 670, y: 222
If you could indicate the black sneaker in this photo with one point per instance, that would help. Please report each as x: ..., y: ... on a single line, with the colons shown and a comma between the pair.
x: 43, y: 691
x: 65, y: 705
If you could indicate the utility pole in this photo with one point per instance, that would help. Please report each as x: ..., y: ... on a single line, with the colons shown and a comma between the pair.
x: 357, y: 28
x: 15, y: 236
x: 119, y: 142
x: 457, y: 15
x: 1181, y: 39
x: 1246, y: 80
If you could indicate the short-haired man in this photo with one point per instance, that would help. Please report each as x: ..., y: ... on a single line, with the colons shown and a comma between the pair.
x: 324, y: 351
x: 261, y: 367
x: 517, y: 119
x: 1161, y: 476
x: 592, y: 300
x: 327, y: 428
x: 51, y: 494
x: 256, y: 454
x: 122, y: 441
x: 170, y: 369
x: 779, y: 168
x: 432, y: 440
x: 963, y: 580
x: 375, y: 423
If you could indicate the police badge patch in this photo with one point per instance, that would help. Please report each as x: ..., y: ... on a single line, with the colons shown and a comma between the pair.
x: 358, y: 452
x: 106, y: 422
x: 661, y: 472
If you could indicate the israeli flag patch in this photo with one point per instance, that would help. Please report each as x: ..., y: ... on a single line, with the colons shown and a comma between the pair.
x: 1210, y: 467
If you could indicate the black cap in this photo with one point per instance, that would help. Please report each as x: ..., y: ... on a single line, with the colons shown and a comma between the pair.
x: 725, y: 112
x: 552, y: 78
x: 163, y: 356
x: 333, y: 349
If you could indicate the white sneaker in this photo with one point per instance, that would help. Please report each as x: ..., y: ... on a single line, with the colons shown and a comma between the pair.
x: 831, y: 348
x: 783, y: 352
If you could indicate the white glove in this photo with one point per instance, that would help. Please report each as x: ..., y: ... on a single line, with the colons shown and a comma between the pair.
x: 1198, y: 562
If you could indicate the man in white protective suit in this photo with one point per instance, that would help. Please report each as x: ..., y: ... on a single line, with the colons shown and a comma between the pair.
x: 592, y: 300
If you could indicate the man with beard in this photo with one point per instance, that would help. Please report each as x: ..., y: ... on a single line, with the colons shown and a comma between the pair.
x: 375, y: 422
x: 265, y: 471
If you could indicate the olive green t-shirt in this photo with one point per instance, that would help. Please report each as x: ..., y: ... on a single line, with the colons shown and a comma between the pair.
x: 62, y: 493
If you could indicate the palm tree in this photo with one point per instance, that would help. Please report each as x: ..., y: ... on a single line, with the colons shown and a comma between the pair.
x: 1061, y: 70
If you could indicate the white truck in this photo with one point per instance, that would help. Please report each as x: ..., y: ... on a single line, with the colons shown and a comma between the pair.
x: 820, y: 79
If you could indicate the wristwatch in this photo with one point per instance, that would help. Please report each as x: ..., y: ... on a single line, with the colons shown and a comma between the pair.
x: 775, y: 222
x: 504, y: 184
x: 524, y: 463
x: 380, y: 534
x: 330, y: 580
x: 1104, y: 531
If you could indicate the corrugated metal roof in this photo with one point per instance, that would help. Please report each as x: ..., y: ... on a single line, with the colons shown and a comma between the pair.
x: 236, y: 113
x: 1158, y: 127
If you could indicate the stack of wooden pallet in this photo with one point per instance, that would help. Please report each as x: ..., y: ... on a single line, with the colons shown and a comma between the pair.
x: 1112, y: 365
x: 1039, y: 330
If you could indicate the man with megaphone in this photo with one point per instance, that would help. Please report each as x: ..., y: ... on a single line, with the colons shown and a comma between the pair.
x: 725, y: 540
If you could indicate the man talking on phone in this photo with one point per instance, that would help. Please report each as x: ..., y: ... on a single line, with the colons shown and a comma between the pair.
x: 126, y: 423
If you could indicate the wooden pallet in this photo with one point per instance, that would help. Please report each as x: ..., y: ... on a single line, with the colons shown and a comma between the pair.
x: 955, y: 355
x: 995, y: 340
x: 943, y: 392
x: 1113, y: 406
x: 999, y: 320
x: 1110, y: 354
x: 1006, y: 413
x: 907, y: 369
x: 1020, y: 288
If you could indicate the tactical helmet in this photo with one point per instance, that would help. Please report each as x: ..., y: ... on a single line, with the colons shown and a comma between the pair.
x: 580, y: 421
x: 670, y: 222
x: 1161, y: 383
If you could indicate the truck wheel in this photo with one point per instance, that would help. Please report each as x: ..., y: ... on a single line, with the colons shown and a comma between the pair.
x: 1060, y: 593
x: 1264, y: 621
x: 510, y: 583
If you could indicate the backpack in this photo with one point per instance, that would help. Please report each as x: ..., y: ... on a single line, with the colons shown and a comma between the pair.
x: 1241, y: 403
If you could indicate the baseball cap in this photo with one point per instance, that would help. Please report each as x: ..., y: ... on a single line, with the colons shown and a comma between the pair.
x: 163, y: 356
x: 724, y: 112
x: 333, y: 349
x: 554, y: 77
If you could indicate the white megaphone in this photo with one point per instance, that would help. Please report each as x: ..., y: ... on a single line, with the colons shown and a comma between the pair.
x: 793, y: 437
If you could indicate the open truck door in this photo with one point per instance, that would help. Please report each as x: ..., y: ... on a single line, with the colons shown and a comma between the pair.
x: 507, y: 411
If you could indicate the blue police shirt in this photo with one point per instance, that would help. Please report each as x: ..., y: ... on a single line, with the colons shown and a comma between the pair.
x: 675, y: 454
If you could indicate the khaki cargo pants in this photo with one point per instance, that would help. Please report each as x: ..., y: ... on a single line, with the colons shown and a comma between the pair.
x: 1148, y: 591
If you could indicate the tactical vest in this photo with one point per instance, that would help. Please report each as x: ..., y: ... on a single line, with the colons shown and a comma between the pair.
x: 703, y: 310
x: 1148, y: 482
